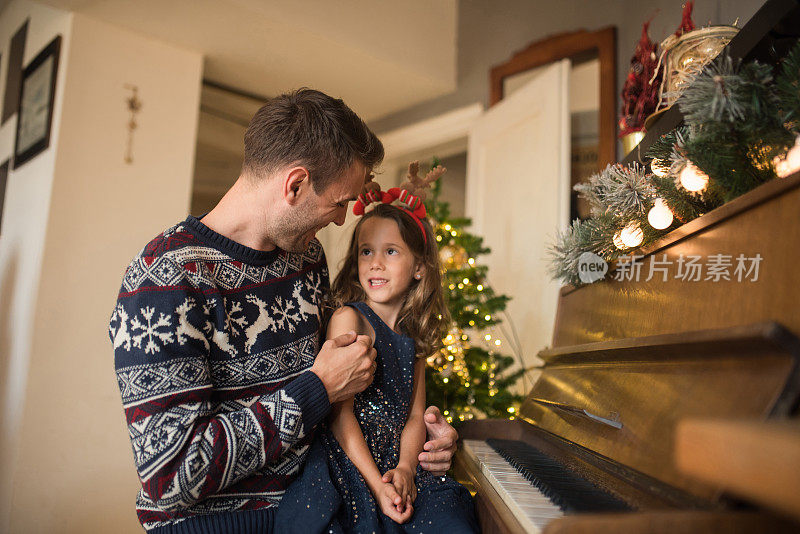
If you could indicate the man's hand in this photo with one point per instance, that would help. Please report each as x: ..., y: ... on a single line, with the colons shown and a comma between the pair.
x: 441, y: 444
x: 345, y: 365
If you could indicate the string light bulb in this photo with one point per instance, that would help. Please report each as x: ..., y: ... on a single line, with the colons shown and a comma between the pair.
x: 660, y: 167
x: 790, y: 162
x: 618, y: 241
x: 659, y: 216
x: 693, y: 179
x: 632, y: 235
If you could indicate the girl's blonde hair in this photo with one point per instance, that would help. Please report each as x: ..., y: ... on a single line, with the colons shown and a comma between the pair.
x: 423, y: 316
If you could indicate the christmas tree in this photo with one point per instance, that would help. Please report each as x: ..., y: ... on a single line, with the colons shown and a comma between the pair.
x: 470, y: 376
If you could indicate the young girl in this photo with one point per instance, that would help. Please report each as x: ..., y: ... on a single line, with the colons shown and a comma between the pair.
x: 362, y: 473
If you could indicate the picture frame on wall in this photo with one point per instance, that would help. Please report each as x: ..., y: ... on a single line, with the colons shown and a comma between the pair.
x: 37, y: 95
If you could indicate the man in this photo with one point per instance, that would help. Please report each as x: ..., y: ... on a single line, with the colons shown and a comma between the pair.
x: 217, y: 326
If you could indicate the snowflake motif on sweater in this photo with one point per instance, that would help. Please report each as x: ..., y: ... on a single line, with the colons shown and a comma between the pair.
x: 212, y: 342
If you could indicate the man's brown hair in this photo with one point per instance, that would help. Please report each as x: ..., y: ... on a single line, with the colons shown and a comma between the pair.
x: 309, y: 128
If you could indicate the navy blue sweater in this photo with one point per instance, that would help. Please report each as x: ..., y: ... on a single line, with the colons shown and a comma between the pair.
x: 212, y: 345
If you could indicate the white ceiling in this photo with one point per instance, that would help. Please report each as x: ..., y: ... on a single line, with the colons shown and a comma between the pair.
x: 380, y: 56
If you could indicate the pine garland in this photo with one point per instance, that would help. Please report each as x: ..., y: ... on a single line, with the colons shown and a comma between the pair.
x: 787, y: 90
x: 590, y: 235
x: 623, y: 191
x: 732, y: 113
x: 737, y: 120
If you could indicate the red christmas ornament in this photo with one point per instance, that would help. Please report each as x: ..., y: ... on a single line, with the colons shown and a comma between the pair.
x: 687, y: 24
x: 639, y: 96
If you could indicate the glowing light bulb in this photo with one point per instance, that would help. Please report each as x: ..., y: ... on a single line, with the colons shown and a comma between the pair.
x: 790, y: 163
x: 471, y: 261
x: 488, y: 317
x: 511, y: 409
x: 497, y: 342
x: 487, y: 337
x: 465, y: 280
x: 693, y: 179
x: 480, y: 287
x: 660, y: 167
x: 632, y: 235
x: 659, y: 216
x: 618, y: 241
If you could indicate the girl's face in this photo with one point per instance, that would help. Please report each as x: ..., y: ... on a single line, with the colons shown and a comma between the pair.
x: 386, y: 265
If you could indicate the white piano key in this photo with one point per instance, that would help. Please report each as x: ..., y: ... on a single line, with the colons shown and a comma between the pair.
x: 533, y: 509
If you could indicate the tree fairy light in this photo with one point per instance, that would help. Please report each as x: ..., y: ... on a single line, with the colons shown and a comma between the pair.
x: 659, y: 216
x: 693, y: 179
x: 632, y: 235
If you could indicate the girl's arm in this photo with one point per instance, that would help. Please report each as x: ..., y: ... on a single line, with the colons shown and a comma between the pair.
x: 348, y: 433
x: 345, y: 428
x: 412, y: 439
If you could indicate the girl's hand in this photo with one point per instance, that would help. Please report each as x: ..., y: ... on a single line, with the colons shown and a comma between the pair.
x: 403, y: 480
x: 392, y: 504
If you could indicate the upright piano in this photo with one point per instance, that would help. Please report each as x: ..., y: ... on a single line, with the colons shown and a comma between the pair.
x: 604, y: 439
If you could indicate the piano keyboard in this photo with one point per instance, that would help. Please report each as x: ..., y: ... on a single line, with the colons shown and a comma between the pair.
x: 532, y: 508
x: 536, y: 488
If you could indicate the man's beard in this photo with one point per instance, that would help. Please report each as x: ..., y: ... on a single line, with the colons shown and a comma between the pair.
x: 290, y: 232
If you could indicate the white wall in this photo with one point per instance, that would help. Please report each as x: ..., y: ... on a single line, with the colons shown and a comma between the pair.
x: 74, y: 468
x: 25, y: 217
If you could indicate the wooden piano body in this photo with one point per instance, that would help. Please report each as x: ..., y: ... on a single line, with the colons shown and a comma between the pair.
x: 649, y: 354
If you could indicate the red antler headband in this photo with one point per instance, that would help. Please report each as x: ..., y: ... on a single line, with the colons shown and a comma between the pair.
x: 410, y: 196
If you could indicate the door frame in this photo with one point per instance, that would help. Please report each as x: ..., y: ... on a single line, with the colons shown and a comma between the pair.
x: 569, y: 45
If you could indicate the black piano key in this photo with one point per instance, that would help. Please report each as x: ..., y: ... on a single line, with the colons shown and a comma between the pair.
x: 562, y: 486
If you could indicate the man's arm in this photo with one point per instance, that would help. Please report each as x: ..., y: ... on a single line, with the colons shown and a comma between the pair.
x: 184, y: 452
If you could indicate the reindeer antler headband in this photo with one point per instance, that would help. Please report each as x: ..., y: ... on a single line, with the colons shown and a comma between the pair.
x: 410, y: 196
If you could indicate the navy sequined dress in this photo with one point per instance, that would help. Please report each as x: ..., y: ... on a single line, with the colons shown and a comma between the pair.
x: 331, y: 496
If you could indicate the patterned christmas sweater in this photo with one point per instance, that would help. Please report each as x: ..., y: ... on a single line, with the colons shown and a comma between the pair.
x: 212, y: 342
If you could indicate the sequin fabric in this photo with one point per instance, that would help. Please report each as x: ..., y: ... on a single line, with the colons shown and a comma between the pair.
x: 331, y: 496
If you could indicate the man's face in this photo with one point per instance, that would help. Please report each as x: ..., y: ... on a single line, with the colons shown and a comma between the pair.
x: 316, y: 211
